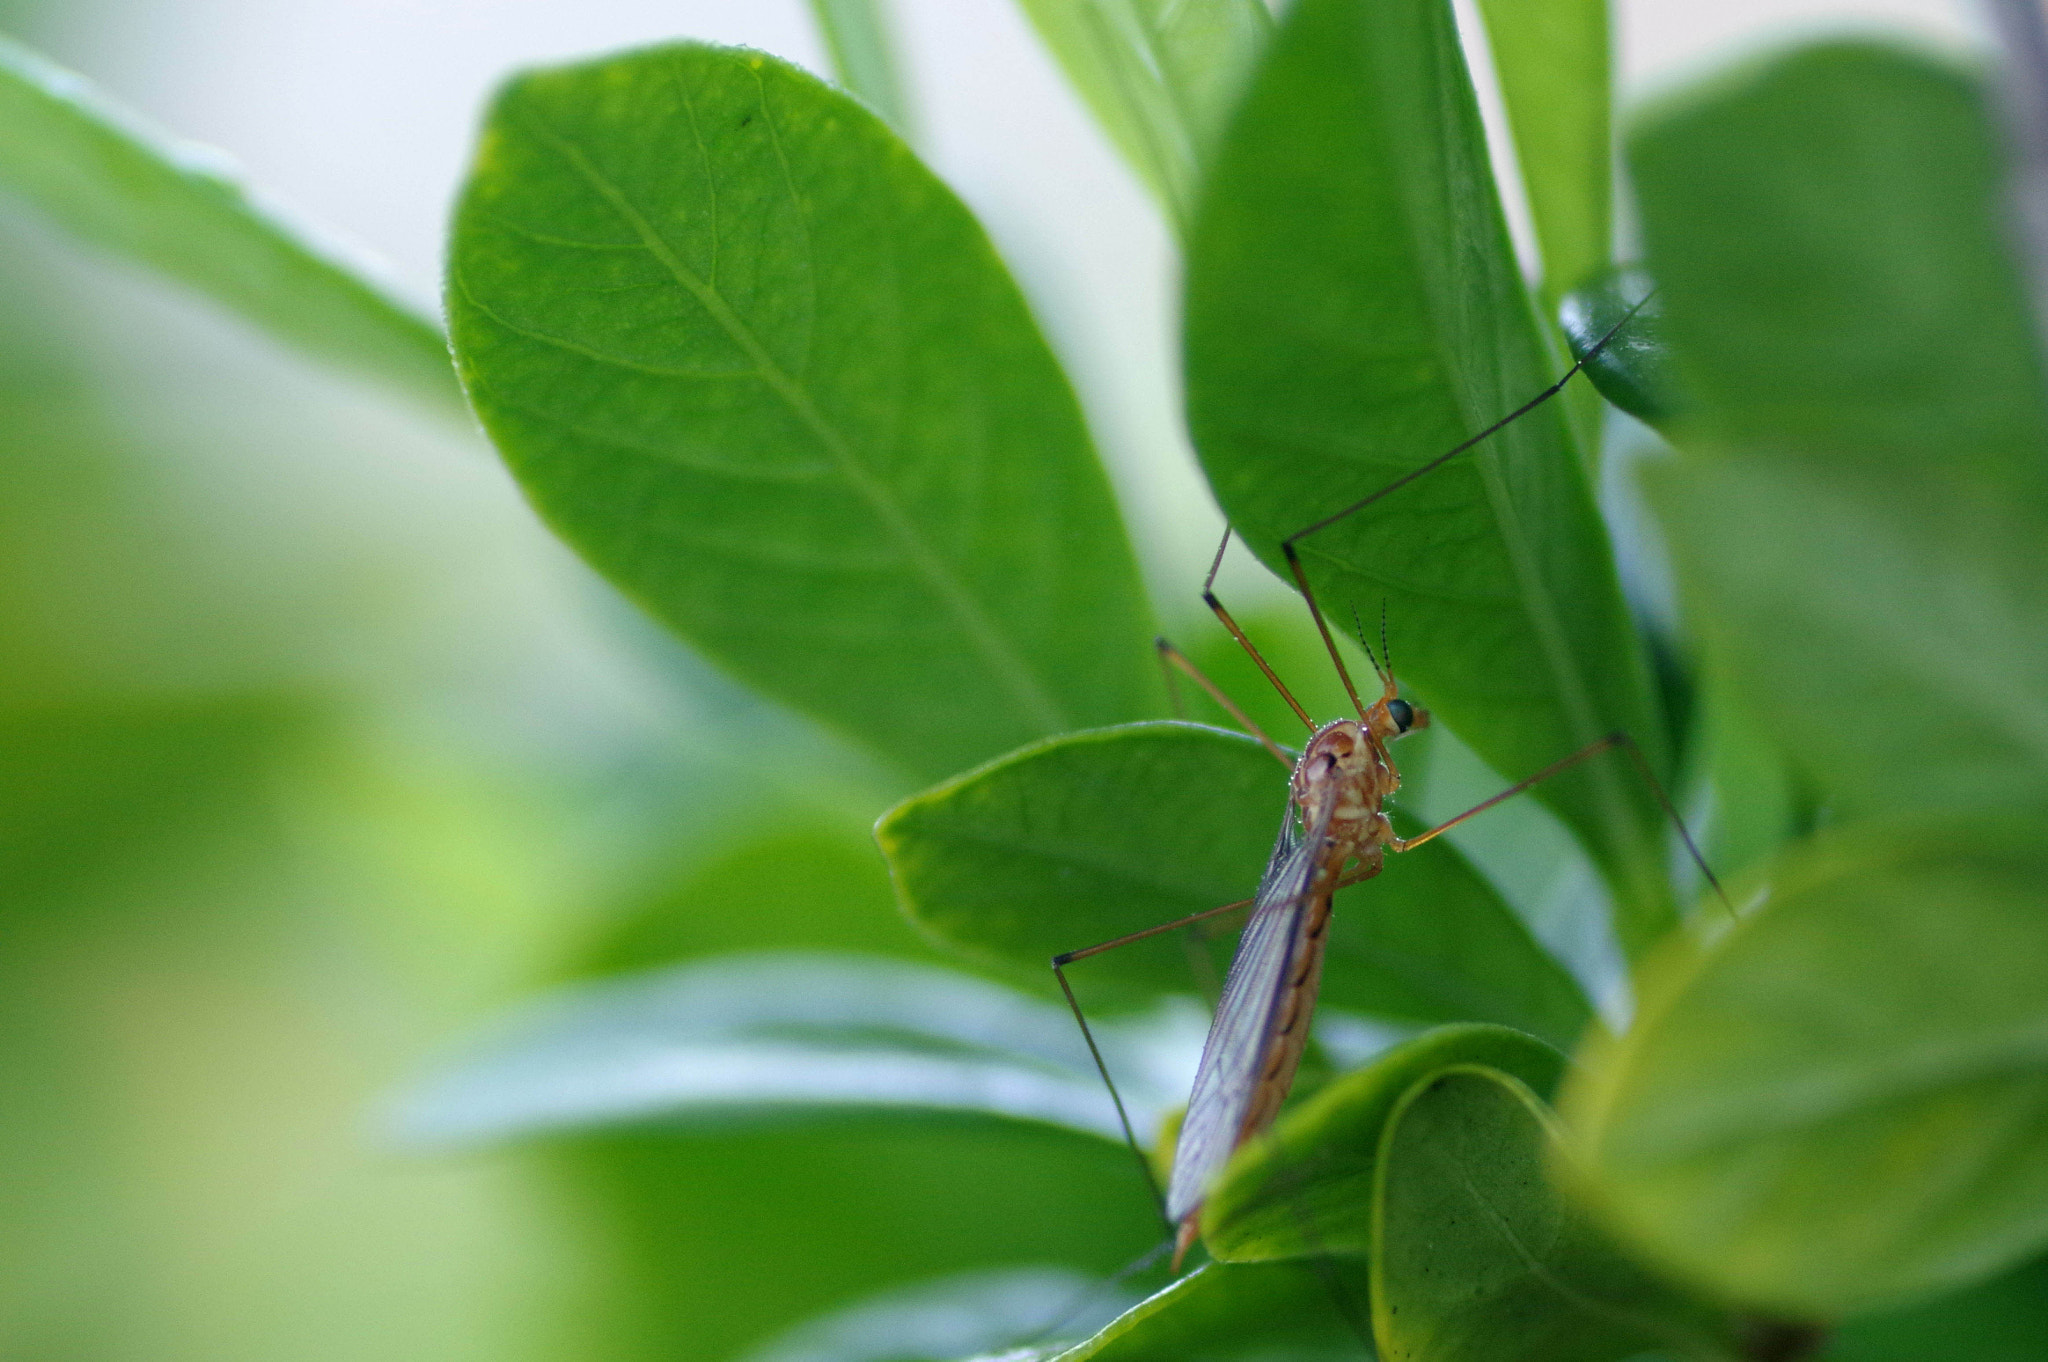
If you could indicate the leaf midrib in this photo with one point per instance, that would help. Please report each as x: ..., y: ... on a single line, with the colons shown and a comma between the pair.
x: 1002, y: 660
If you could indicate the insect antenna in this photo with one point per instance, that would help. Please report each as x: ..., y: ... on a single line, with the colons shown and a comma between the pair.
x: 1358, y: 629
x: 1386, y: 648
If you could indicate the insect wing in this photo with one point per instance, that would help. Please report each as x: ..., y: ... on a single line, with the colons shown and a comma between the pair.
x: 1242, y: 1033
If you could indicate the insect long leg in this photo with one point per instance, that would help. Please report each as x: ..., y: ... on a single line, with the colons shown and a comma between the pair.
x: 1209, y: 599
x: 1322, y: 625
x: 1059, y: 970
x: 1592, y: 352
x: 1170, y: 657
x: 1612, y: 740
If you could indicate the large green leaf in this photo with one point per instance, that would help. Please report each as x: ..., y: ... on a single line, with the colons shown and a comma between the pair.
x: 1859, y: 522
x: 1308, y: 1188
x: 1353, y: 309
x: 1091, y: 836
x: 1160, y: 76
x: 1479, y: 1258
x: 1555, y: 71
x: 181, y: 209
x: 766, y: 373
x: 1844, y: 1101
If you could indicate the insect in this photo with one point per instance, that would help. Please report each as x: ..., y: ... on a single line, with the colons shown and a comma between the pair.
x: 1334, y: 832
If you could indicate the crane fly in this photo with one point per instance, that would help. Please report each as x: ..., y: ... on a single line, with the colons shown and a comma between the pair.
x: 1334, y: 832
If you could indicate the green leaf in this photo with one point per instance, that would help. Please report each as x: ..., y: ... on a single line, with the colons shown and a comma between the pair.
x: 1308, y: 1187
x: 1228, y: 1311
x: 1555, y: 71
x: 1083, y: 838
x: 1756, y: 806
x: 1479, y: 1257
x: 1856, y: 304
x: 1160, y: 76
x: 703, y: 1226
x: 1851, y: 611
x: 783, y: 1034
x: 766, y: 373
x: 2001, y: 1320
x: 1353, y: 310
x: 1633, y: 370
x: 1842, y: 1102
x: 181, y: 209
x: 864, y: 56
x: 1858, y: 525
x: 951, y: 1316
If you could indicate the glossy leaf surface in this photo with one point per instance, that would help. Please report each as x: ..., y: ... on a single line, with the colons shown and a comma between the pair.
x: 1841, y: 1103
x: 761, y: 369
x: 1159, y: 75
x: 788, y: 1034
x: 182, y: 210
x: 1479, y: 1258
x: 1353, y: 309
x: 1308, y: 1188
x: 1095, y: 835
x: 1859, y: 522
x: 1633, y: 370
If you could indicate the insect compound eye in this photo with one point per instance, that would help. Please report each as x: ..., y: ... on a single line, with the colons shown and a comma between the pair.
x: 1402, y: 713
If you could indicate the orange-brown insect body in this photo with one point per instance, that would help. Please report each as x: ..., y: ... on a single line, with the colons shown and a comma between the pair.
x: 1340, y: 786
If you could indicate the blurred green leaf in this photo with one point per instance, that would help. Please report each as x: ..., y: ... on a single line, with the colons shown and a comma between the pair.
x: 1841, y: 1103
x: 1849, y: 614
x: 1757, y: 805
x: 1308, y: 1187
x: 181, y: 209
x: 864, y: 56
x: 1633, y: 370
x: 2001, y: 1320
x: 1554, y: 67
x: 934, y: 1321
x: 95, y: 793
x: 1160, y: 76
x: 765, y: 372
x: 1091, y: 836
x: 742, y: 1037
x: 1842, y: 207
x: 1858, y: 525
x: 1229, y: 1311
x: 722, y: 1240
x: 1353, y: 310
x: 798, y: 882
x: 1479, y: 1258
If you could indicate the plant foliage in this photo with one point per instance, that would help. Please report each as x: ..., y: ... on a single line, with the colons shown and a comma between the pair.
x: 768, y: 376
